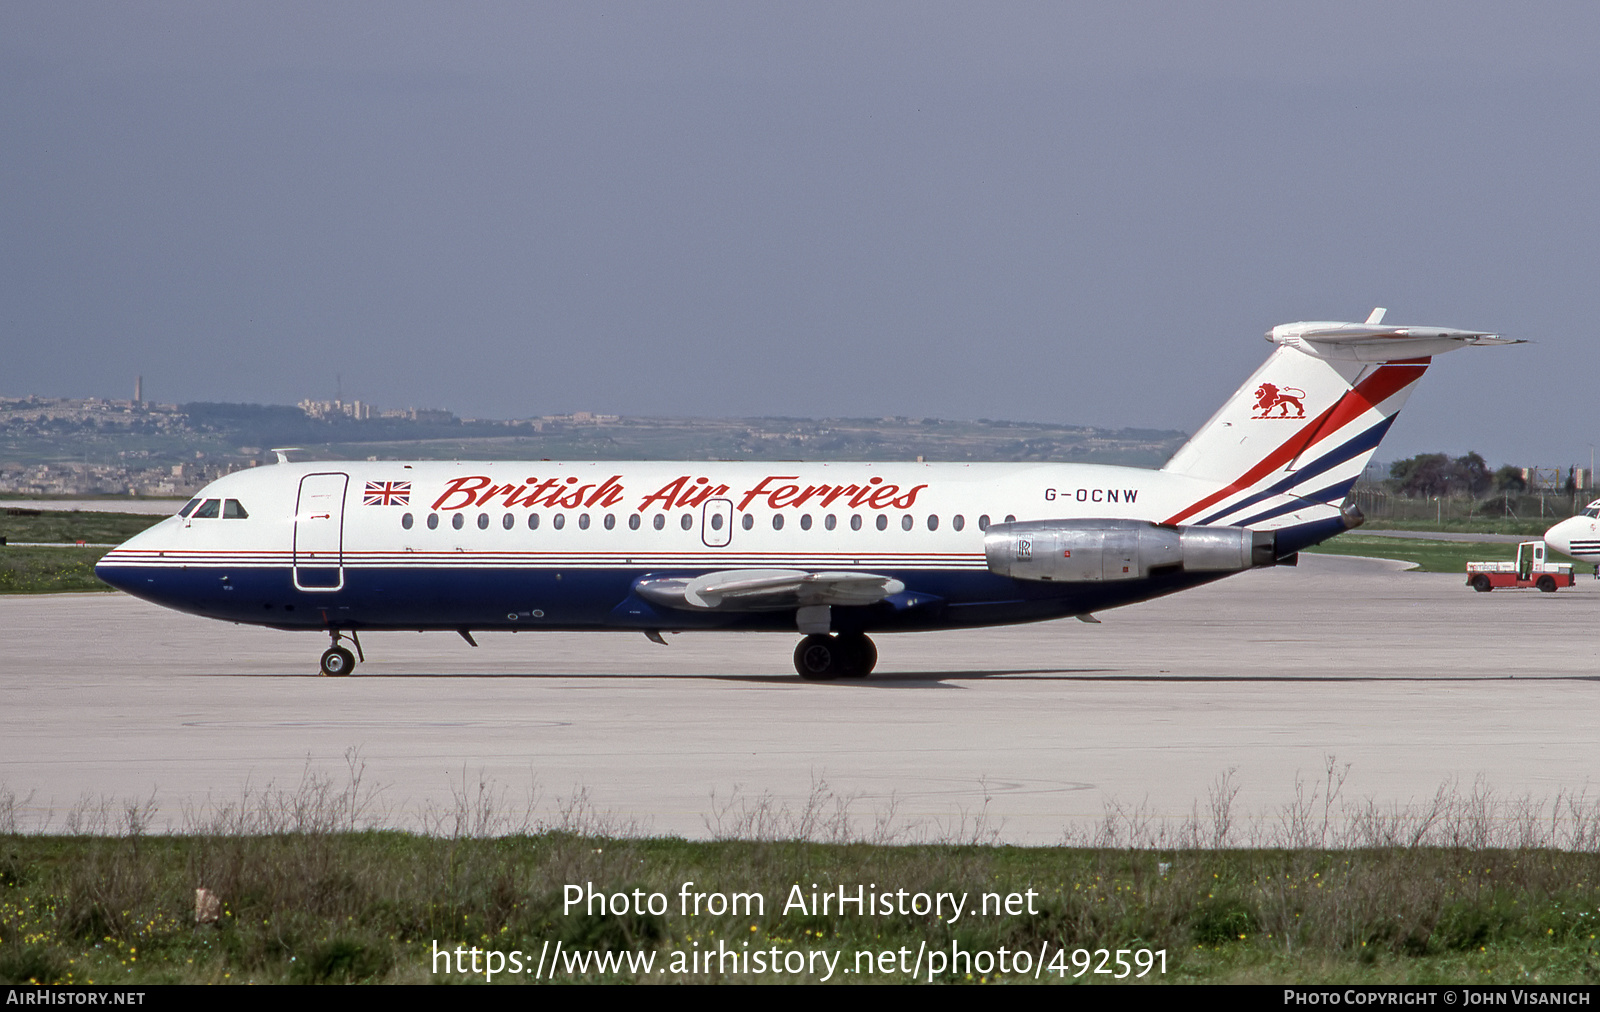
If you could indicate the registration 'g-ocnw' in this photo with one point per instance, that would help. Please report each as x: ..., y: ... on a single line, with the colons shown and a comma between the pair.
x: 831, y: 551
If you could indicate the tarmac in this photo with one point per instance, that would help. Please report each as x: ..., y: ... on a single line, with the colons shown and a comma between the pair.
x: 1025, y: 734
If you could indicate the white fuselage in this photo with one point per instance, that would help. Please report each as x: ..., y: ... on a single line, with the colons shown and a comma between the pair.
x: 482, y: 544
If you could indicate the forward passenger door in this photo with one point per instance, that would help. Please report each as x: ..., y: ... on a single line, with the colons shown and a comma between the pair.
x: 319, y: 532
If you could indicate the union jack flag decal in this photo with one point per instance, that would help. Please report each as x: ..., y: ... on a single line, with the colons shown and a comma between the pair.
x: 387, y: 493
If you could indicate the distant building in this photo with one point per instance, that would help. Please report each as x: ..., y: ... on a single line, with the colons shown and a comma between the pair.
x: 333, y: 409
x: 431, y: 416
x: 581, y: 418
x: 363, y: 412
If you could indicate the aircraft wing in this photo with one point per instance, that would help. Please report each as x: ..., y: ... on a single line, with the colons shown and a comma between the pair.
x: 767, y: 589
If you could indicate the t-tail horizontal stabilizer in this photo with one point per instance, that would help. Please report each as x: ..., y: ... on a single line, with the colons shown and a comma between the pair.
x: 1374, y: 342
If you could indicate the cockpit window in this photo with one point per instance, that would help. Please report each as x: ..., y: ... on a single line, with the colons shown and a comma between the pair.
x: 188, y: 507
x: 208, y: 509
x: 233, y: 510
x: 1592, y: 511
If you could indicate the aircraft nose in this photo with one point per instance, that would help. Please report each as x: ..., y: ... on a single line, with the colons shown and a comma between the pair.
x: 1559, y: 537
x: 116, y: 576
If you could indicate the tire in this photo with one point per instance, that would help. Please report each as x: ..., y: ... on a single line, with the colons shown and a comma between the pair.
x: 337, y: 662
x: 1481, y: 584
x: 1547, y: 584
x: 859, y: 655
x: 817, y: 658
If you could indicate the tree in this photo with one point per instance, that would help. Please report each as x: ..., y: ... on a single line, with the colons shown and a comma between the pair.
x: 1472, y: 472
x: 1436, y: 474
x: 1420, y: 476
x: 1510, y: 479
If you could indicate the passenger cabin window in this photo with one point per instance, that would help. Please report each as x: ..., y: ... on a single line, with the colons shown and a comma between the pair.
x: 457, y: 520
x: 405, y: 521
x: 659, y: 522
x: 633, y: 521
x: 906, y: 522
x: 208, y: 509
x: 233, y: 510
x: 687, y: 521
x: 777, y: 521
x: 805, y: 522
x: 958, y: 521
x: 508, y: 521
x: 830, y: 521
x: 883, y: 521
x: 855, y: 521
x: 533, y: 521
x: 188, y: 507
x: 433, y: 521
x: 983, y: 522
x: 483, y: 521
x: 559, y: 521
x: 748, y: 522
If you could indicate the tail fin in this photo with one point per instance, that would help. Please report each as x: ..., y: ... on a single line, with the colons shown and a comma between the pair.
x: 1289, y: 444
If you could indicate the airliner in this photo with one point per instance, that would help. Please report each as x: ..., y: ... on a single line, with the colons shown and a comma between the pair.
x: 1578, y: 536
x: 830, y: 551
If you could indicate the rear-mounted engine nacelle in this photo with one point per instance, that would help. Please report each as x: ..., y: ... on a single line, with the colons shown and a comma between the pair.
x: 1079, y: 550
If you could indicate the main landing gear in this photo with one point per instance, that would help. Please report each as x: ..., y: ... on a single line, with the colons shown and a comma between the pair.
x: 336, y: 660
x: 847, y: 655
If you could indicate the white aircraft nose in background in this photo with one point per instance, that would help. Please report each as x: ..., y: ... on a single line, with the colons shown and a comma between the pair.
x: 1578, y: 536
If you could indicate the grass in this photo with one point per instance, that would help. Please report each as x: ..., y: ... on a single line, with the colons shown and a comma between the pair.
x: 301, y: 908
x: 49, y: 570
x: 18, y: 523
x: 1473, y: 888
x: 53, y: 570
x: 1530, y: 528
x: 1433, y: 556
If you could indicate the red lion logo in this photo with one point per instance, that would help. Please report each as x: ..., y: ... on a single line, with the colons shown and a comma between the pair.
x: 1269, y: 396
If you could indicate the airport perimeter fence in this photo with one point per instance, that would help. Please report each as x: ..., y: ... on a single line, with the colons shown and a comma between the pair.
x: 1380, y: 504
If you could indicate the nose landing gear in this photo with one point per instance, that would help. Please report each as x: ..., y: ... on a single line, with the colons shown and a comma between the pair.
x: 821, y: 658
x: 336, y: 660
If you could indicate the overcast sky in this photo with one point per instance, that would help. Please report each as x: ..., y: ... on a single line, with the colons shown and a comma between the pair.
x: 1080, y: 213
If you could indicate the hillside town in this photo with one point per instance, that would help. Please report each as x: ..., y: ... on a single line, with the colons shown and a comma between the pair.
x: 58, y: 446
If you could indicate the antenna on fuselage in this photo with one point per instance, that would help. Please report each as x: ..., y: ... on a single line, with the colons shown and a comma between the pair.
x: 283, y: 452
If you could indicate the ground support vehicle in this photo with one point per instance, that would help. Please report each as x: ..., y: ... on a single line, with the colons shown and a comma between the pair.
x: 1529, y: 570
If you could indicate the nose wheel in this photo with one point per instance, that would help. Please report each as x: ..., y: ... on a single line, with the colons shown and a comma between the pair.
x: 336, y: 660
x: 823, y: 658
